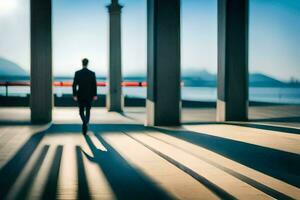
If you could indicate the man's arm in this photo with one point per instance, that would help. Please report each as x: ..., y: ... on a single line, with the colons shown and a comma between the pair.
x: 74, y: 86
x: 94, y: 87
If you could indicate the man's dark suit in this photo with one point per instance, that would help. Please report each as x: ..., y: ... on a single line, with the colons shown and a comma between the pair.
x: 84, y: 88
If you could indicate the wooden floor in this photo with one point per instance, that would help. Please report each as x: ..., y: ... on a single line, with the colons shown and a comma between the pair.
x: 120, y: 158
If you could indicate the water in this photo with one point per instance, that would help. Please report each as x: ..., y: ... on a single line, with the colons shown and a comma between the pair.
x: 260, y: 94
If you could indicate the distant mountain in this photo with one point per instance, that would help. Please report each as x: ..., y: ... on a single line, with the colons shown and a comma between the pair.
x: 205, y: 79
x: 199, y: 78
x: 10, y: 70
x: 261, y: 80
x: 199, y: 74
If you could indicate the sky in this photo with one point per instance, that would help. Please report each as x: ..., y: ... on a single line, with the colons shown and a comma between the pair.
x: 80, y: 29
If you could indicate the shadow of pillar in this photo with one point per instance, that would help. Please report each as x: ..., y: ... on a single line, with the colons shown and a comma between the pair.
x: 13, y: 168
x: 51, y: 184
x: 33, y: 173
x: 83, y: 190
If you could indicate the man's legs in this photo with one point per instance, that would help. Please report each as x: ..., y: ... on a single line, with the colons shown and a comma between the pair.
x: 87, y: 114
x: 81, y: 112
x: 82, y: 116
x: 84, y: 111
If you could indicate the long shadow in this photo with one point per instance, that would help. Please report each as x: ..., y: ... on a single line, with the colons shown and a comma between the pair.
x: 51, y: 184
x: 33, y: 173
x: 278, y: 119
x: 279, y: 164
x: 269, y: 127
x: 13, y: 168
x: 14, y: 123
x: 125, y: 181
x: 83, y: 190
x: 251, y: 124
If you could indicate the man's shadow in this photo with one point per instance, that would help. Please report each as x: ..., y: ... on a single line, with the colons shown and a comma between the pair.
x: 125, y: 181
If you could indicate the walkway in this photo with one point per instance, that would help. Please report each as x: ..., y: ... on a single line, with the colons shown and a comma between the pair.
x: 122, y: 159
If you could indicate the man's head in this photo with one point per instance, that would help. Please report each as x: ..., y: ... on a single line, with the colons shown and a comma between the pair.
x: 85, y: 62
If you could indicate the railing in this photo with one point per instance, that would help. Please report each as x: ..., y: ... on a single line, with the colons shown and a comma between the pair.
x: 6, y: 84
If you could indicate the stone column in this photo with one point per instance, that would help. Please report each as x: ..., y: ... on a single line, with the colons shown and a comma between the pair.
x: 163, y: 92
x: 114, y: 100
x: 232, y: 103
x: 41, y: 98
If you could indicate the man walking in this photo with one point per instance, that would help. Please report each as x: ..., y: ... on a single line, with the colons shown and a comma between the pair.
x: 84, y: 92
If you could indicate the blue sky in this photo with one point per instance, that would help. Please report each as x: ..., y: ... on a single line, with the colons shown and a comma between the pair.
x: 80, y: 29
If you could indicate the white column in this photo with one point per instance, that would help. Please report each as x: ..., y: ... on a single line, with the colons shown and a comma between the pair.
x: 163, y: 92
x: 114, y: 100
x: 232, y: 103
x: 41, y: 98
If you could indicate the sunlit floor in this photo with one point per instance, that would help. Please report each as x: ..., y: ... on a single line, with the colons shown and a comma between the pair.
x: 122, y: 159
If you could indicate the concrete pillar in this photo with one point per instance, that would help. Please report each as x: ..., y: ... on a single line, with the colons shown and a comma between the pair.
x: 232, y: 103
x: 41, y: 98
x: 163, y: 92
x: 114, y: 100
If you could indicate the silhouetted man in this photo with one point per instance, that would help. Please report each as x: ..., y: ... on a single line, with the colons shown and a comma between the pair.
x: 84, y: 91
